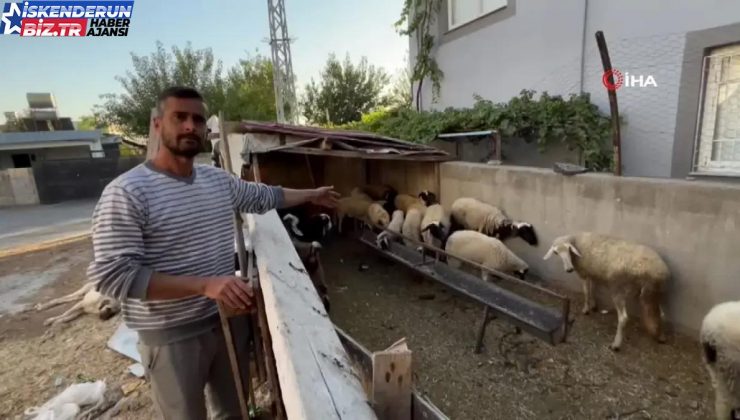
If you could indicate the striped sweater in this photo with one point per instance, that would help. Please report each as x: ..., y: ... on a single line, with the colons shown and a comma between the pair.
x: 148, y: 220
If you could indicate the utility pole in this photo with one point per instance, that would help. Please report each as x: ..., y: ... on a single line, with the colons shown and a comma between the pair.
x: 282, y: 64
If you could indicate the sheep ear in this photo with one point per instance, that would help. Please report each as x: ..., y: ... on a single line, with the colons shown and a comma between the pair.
x: 549, y: 253
x: 574, y: 249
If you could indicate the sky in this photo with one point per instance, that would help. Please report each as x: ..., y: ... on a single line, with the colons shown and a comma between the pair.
x: 78, y: 70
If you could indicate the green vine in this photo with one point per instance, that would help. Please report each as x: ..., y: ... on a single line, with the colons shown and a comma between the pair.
x: 547, y: 120
x: 417, y: 18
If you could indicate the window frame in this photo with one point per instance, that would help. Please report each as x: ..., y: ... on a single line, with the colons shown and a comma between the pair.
x: 702, y: 161
x: 451, y: 27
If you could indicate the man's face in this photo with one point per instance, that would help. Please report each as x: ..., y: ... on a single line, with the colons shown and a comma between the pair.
x: 182, y: 126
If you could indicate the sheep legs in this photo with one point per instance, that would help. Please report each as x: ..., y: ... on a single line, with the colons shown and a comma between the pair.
x: 621, y: 307
x: 68, y: 298
x: 589, y: 301
x: 67, y: 316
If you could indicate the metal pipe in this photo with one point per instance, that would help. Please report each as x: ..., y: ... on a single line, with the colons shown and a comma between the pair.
x: 613, y: 106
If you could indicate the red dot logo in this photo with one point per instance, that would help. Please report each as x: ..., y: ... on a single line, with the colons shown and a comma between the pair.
x: 612, y: 79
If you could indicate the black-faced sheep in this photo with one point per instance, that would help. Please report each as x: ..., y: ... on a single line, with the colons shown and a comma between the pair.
x: 309, y: 255
x: 484, y: 250
x: 476, y: 215
x: 625, y: 267
x: 306, y: 223
x: 720, y: 341
x: 429, y: 198
x: 384, y: 238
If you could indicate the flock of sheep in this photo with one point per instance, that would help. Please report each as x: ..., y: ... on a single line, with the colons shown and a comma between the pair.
x: 476, y: 231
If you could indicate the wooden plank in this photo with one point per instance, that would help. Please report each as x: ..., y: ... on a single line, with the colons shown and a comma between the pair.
x: 421, y: 407
x: 391, y: 386
x: 409, y: 156
x: 316, y: 380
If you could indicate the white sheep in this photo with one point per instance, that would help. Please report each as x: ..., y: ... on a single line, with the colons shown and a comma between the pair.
x: 484, y: 250
x: 435, y: 226
x: 625, y: 267
x: 411, y: 227
x: 384, y: 238
x: 720, y: 340
x: 482, y: 217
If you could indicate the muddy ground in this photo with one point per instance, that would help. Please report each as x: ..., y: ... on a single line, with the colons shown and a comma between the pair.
x: 515, y: 377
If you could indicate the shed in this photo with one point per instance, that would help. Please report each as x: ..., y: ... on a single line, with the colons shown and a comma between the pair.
x: 306, y: 157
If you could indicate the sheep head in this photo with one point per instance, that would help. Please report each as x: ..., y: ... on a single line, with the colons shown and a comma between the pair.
x: 107, y: 308
x: 428, y: 197
x: 563, y: 246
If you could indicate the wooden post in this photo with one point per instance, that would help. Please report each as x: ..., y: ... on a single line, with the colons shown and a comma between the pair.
x: 391, y: 387
x: 482, y: 331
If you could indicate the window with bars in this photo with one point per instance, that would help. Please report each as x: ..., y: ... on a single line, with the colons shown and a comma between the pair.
x: 460, y: 12
x: 718, y: 136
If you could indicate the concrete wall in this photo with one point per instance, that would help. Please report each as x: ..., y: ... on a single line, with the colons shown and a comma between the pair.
x: 17, y: 187
x: 500, y: 54
x: 695, y: 226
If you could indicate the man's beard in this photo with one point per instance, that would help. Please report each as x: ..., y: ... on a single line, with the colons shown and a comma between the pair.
x: 182, y: 147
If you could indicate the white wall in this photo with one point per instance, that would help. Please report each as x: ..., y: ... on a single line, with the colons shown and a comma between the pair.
x: 539, y: 48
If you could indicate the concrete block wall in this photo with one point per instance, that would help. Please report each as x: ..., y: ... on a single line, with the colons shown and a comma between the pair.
x: 695, y: 226
x: 18, y: 187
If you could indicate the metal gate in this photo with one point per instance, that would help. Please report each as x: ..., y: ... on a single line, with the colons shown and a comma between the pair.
x: 73, y: 179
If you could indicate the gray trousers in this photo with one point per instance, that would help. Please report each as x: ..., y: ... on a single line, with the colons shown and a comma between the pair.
x: 180, y: 372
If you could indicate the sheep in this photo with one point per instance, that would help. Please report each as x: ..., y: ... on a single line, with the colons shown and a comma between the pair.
x: 359, y: 193
x: 306, y: 224
x: 625, y: 267
x: 384, y: 238
x: 377, y: 216
x: 720, y: 341
x: 411, y: 227
x: 435, y: 226
x: 378, y: 192
x: 485, y: 218
x: 351, y: 206
x: 487, y: 251
x: 92, y: 302
x: 405, y: 202
x: 309, y: 255
x: 428, y: 197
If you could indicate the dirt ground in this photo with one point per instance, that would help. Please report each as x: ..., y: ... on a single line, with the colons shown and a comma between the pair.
x: 36, y: 363
x: 515, y: 377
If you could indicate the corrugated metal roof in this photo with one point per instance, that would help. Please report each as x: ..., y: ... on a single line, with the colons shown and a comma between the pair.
x: 333, y: 142
x: 49, y: 136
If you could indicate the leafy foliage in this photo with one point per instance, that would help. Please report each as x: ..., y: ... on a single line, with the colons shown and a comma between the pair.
x: 92, y: 122
x: 417, y: 19
x: 250, y: 92
x: 242, y: 94
x: 547, y: 120
x: 345, y: 92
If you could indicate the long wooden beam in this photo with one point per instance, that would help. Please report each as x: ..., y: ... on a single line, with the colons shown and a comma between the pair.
x: 316, y: 379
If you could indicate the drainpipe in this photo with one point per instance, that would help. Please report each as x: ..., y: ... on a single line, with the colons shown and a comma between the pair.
x: 583, y: 43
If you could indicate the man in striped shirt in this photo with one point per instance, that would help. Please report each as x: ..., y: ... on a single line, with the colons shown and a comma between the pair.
x: 163, y: 240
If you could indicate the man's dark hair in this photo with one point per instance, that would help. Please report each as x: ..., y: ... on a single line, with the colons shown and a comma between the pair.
x: 180, y: 92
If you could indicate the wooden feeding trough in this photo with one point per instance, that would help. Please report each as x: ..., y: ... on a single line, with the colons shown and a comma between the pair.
x: 548, y: 323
